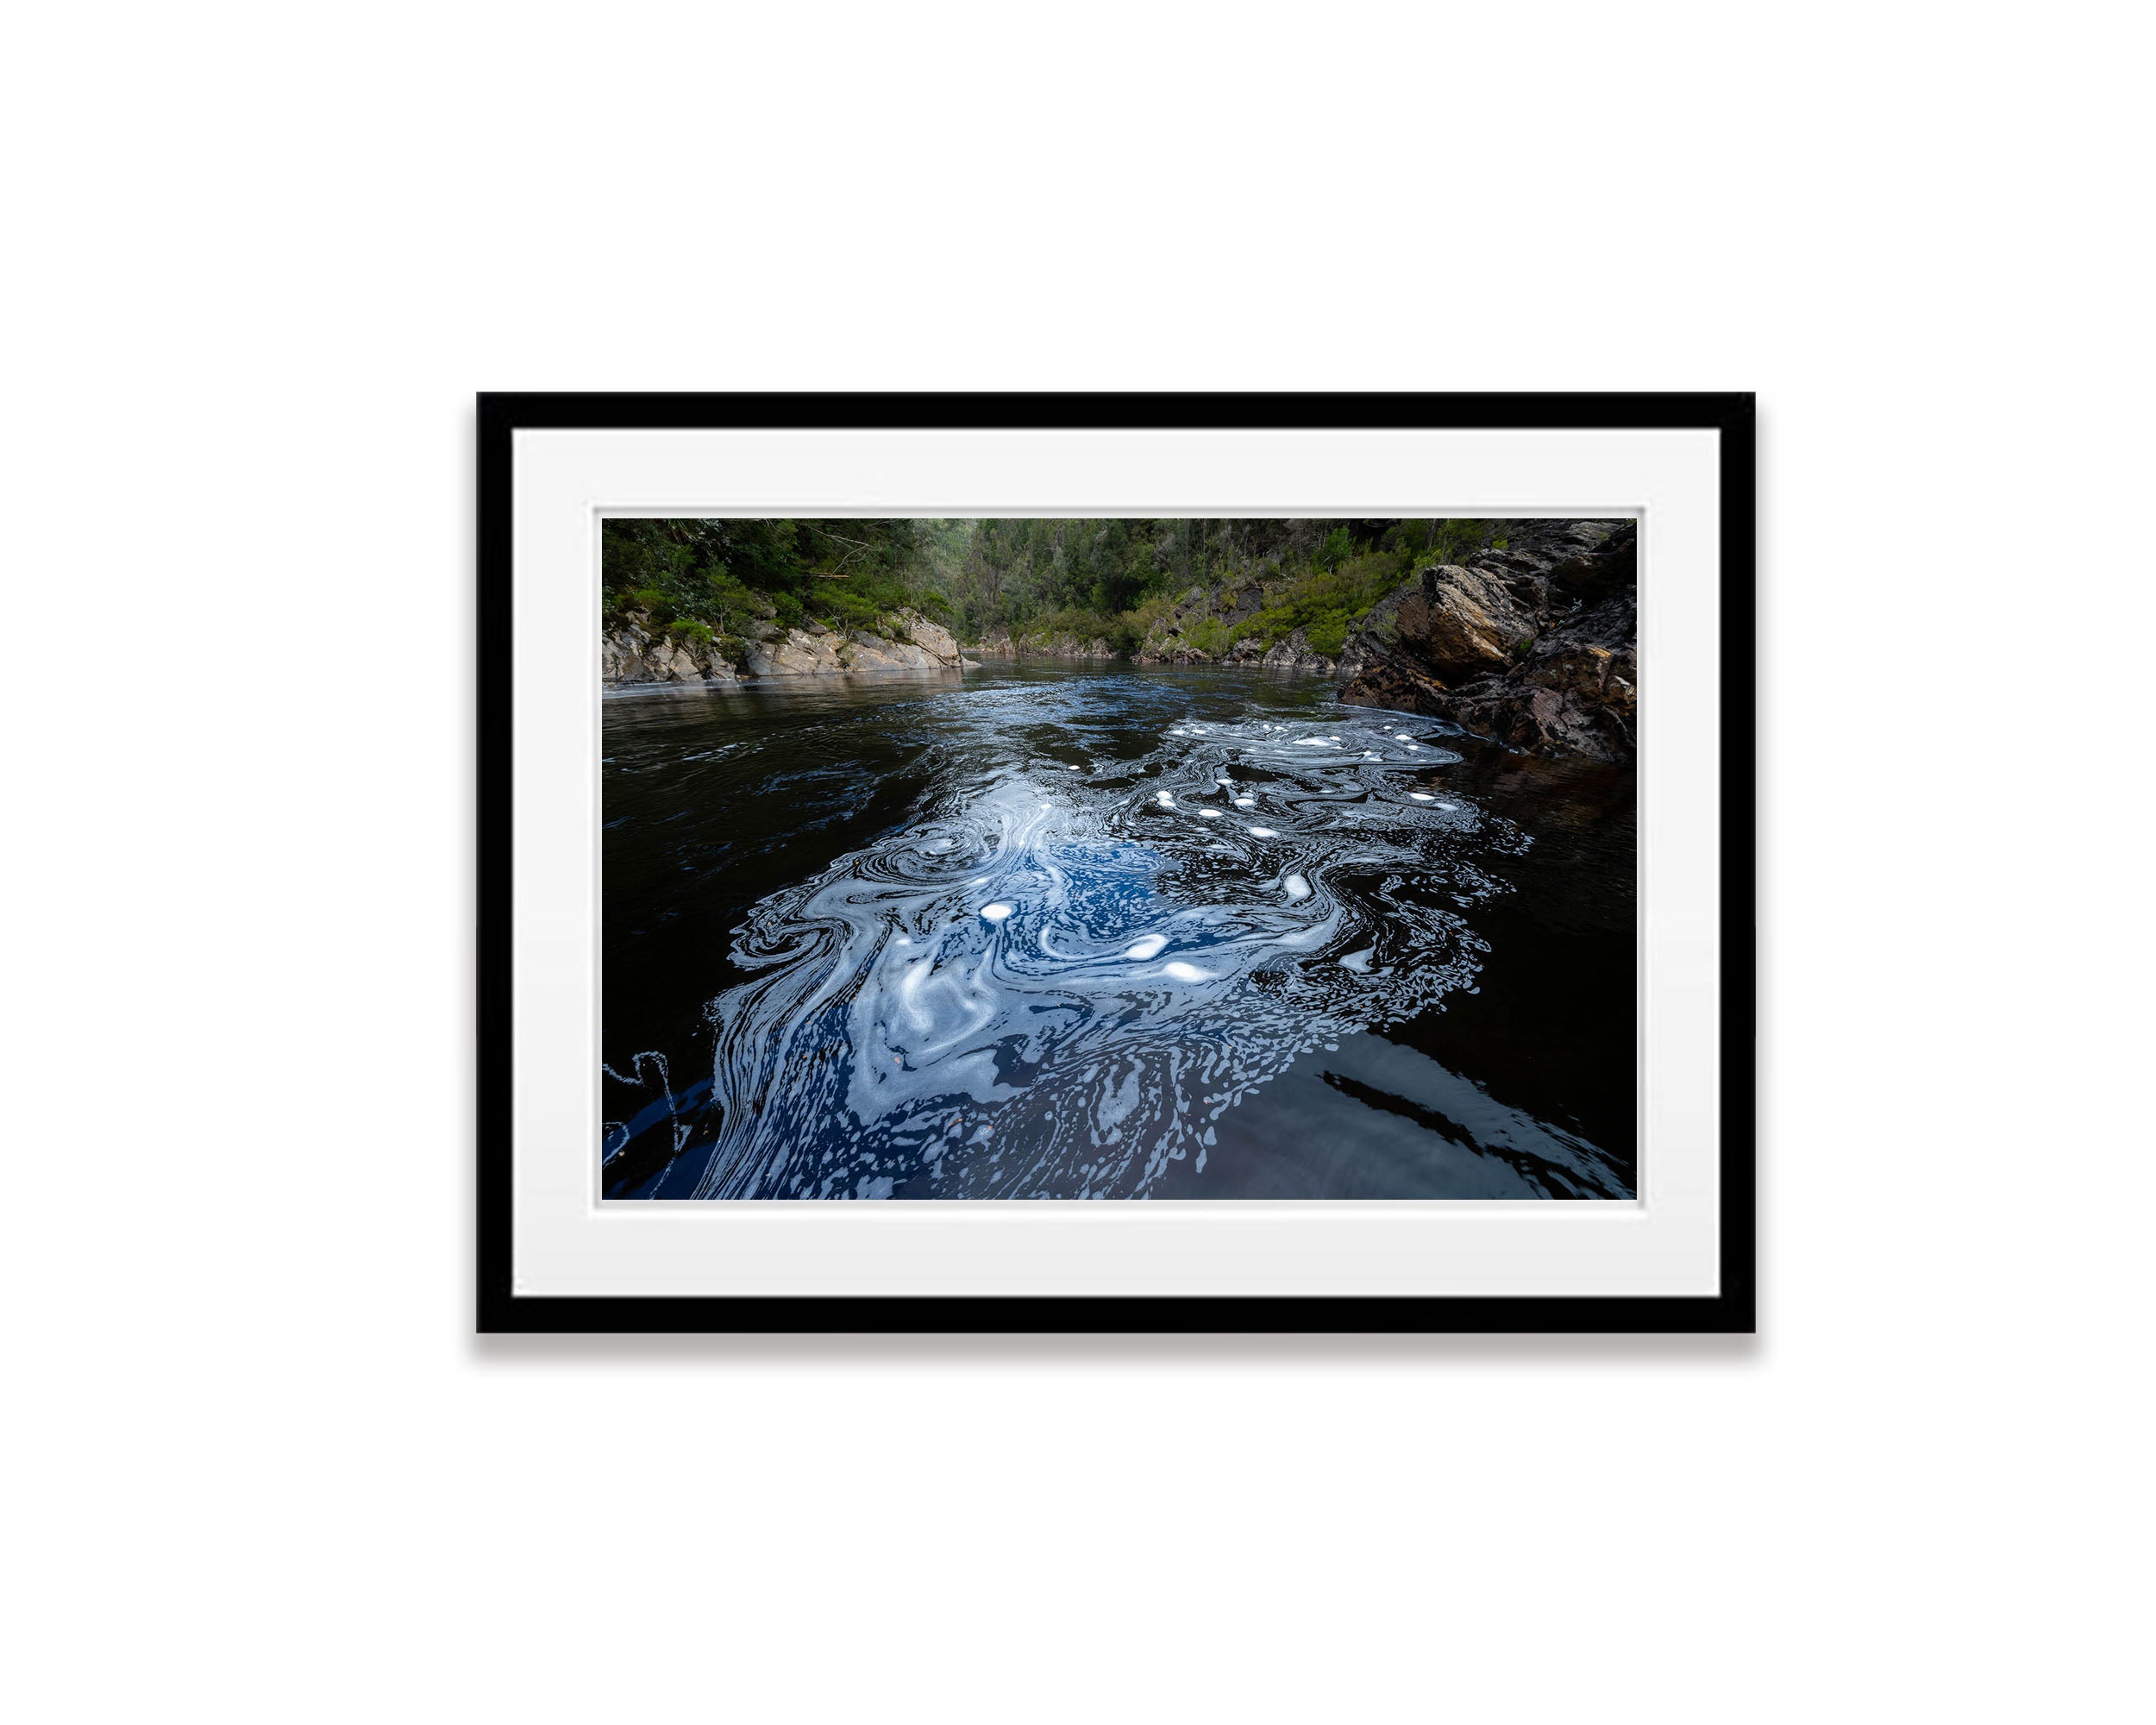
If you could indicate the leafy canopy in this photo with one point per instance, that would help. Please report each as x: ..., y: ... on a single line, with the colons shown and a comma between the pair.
x: 1110, y: 578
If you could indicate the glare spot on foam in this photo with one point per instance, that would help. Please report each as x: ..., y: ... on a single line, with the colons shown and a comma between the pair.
x: 1208, y: 814
x: 1145, y: 947
x: 1163, y: 799
x: 1422, y: 796
x: 1185, y: 973
x: 1246, y: 802
x: 1261, y: 833
x: 996, y: 913
x: 1297, y: 887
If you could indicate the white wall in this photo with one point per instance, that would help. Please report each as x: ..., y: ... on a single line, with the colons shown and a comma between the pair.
x: 262, y: 257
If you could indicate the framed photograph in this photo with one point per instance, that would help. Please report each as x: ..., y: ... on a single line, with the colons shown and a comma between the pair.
x: 1116, y: 861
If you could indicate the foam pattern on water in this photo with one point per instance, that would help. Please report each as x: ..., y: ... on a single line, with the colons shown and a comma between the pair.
x: 1055, y: 981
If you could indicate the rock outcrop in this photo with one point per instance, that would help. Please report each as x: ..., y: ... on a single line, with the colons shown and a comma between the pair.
x: 809, y: 651
x: 812, y: 651
x: 1207, y: 626
x: 1295, y: 654
x: 1535, y: 646
x: 1199, y: 627
x: 634, y: 652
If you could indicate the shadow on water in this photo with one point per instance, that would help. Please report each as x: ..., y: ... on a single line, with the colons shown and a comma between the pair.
x: 1108, y: 933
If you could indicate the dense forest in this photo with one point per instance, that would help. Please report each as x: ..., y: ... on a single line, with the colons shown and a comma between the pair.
x: 718, y: 581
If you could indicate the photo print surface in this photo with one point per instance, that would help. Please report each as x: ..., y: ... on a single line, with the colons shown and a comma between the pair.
x: 1118, y: 859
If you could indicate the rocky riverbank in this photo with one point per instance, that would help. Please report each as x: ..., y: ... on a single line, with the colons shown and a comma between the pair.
x: 1535, y: 646
x: 1531, y: 641
x: 635, y: 649
x: 1000, y: 643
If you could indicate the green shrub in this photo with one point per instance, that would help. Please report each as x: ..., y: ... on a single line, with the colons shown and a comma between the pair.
x: 1140, y: 618
x: 650, y: 601
x: 1210, y: 635
x: 787, y: 609
x: 697, y: 634
x: 1325, y: 602
x: 726, y: 601
x: 1085, y: 624
x: 1453, y: 542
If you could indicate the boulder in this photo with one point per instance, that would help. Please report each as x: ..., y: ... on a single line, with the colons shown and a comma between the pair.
x: 681, y: 666
x: 621, y: 656
x: 795, y: 654
x: 931, y: 638
x: 876, y: 652
x: 1461, y: 623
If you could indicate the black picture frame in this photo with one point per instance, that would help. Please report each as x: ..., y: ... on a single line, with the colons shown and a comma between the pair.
x: 1733, y: 1309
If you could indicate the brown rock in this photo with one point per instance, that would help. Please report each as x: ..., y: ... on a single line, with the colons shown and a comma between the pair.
x: 1465, y: 622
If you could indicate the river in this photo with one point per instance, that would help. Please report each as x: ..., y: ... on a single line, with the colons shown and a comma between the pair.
x: 1067, y: 933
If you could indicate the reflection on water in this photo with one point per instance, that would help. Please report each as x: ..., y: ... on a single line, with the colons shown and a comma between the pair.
x: 1053, y: 935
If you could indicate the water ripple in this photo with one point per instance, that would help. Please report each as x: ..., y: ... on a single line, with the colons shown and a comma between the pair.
x: 1068, y: 965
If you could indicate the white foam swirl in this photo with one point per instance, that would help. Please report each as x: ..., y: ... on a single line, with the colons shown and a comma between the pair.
x: 1045, y: 985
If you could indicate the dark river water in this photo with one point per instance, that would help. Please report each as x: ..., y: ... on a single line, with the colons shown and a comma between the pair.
x: 1119, y: 932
